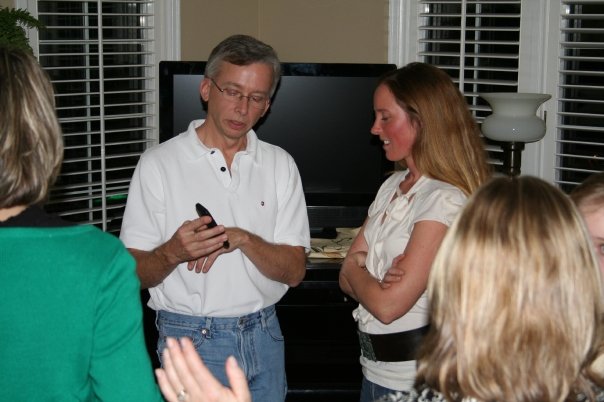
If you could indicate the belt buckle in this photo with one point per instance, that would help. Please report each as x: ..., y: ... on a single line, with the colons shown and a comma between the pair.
x: 366, y: 346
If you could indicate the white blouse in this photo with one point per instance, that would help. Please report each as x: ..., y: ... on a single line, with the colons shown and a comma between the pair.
x: 391, y: 219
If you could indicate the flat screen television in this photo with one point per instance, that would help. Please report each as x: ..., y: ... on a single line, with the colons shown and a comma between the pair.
x: 321, y: 114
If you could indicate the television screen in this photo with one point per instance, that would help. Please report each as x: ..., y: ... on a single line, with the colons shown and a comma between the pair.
x: 321, y: 114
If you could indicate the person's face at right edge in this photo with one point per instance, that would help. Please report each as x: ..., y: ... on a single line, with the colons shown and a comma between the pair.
x: 594, y: 220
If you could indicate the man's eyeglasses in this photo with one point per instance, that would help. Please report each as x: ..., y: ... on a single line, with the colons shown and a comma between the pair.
x: 230, y: 94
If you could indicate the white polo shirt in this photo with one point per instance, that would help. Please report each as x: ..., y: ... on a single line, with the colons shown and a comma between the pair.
x: 262, y: 194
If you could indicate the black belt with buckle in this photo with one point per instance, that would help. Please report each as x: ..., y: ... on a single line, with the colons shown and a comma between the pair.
x: 394, y: 347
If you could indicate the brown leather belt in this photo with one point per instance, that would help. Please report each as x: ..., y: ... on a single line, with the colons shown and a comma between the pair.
x: 394, y: 347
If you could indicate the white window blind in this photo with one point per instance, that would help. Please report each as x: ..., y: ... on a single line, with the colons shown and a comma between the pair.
x: 553, y: 46
x: 99, y: 55
x: 580, y: 128
x: 478, y: 43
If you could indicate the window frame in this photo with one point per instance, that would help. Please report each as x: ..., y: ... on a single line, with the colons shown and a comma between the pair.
x: 538, y: 70
x: 166, y: 46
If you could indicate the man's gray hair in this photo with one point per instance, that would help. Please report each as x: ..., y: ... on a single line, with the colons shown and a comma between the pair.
x: 243, y: 50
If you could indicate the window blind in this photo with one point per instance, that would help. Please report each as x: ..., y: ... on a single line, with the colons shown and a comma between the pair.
x: 477, y: 42
x: 580, y: 122
x: 99, y: 55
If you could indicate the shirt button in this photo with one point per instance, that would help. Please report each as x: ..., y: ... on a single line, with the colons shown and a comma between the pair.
x: 212, y: 151
x: 223, y: 169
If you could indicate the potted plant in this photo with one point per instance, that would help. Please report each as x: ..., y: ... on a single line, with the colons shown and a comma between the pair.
x: 13, y: 23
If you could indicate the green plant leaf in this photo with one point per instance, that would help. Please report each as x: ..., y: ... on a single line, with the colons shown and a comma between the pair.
x: 13, y: 23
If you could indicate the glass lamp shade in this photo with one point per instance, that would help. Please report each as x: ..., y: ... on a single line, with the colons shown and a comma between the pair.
x: 513, y: 118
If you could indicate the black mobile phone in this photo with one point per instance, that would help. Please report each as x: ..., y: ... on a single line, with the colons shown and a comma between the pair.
x: 203, y: 211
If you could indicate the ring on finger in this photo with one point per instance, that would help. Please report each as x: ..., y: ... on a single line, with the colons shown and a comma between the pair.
x: 182, y: 395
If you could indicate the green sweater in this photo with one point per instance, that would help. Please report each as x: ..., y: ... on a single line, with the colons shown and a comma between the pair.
x: 70, y: 318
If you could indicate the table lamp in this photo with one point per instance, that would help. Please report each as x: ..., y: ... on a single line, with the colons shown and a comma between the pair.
x: 513, y: 122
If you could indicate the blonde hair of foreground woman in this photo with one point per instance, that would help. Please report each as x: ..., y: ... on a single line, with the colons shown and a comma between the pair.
x: 516, y: 297
x: 31, y: 143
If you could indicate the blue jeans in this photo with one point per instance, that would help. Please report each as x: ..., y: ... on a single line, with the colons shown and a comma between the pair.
x: 371, y: 391
x: 255, y: 340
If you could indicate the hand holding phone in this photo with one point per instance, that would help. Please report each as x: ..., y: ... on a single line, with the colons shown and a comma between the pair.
x: 203, y: 211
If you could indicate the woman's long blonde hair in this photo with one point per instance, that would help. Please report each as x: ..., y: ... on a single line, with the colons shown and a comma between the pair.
x: 516, y: 298
x: 448, y: 146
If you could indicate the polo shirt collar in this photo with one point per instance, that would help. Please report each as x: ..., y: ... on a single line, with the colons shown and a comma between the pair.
x: 195, y: 149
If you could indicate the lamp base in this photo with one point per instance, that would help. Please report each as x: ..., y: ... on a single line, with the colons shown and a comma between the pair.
x: 512, y: 157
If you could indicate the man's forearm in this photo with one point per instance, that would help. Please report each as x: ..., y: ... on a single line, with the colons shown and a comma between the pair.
x: 279, y: 262
x: 152, y: 267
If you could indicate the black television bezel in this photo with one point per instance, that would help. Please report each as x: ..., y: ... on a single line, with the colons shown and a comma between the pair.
x: 167, y: 69
x: 331, y: 210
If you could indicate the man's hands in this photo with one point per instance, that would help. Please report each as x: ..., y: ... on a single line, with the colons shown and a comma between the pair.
x: 235, y: 236
x: 194, y: 242
x: 199, y: 246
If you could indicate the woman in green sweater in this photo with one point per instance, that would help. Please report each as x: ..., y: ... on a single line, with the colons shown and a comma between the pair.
x: 70, y: 315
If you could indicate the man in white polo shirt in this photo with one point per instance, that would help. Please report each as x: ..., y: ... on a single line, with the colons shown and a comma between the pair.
x: 218, y: 285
